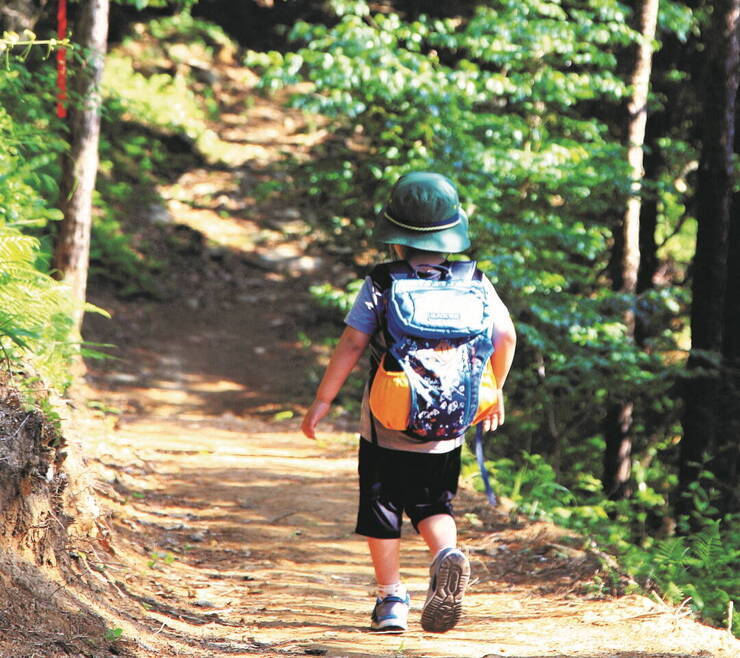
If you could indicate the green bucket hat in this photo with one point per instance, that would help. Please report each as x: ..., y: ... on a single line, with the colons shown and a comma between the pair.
x: 423, y: 211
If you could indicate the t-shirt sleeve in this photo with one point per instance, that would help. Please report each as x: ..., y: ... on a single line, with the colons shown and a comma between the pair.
x: 499, y: 311
x: 364, y: 314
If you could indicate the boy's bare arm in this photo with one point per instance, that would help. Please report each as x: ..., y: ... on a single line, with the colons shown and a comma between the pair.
x: 347, y: 353
x: 504, y: 345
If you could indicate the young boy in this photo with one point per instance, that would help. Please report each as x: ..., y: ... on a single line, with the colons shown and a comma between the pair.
x: 422, y: 222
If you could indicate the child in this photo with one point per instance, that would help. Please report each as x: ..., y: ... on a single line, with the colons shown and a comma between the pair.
x: 422, y: 222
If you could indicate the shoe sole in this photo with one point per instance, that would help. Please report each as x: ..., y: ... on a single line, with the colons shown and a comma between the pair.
x: 387, y: 626
x: 444, y: 609
x: 393, y: 628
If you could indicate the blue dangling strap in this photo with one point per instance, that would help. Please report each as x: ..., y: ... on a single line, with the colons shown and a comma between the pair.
x: 482, y: 464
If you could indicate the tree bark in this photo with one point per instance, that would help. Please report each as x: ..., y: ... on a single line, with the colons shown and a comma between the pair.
x: 72, y: 250
x: 654, y: 163
x: 726, y: 462
x: 712, y: 311
x: 617, y: 466
x: 635, y: 154
x: 618, y: 452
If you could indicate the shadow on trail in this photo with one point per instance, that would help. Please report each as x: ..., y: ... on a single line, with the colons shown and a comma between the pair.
x: 241, y: 360
x: 238, y: 537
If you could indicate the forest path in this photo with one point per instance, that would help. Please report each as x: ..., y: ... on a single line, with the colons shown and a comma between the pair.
x: 230, y: 533
x: 235, y: 537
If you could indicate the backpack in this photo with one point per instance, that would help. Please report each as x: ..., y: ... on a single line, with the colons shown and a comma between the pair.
x: 435, y: 378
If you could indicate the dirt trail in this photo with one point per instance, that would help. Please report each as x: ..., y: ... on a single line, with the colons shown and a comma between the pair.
x: 235, y: 536
x: 231, y: 534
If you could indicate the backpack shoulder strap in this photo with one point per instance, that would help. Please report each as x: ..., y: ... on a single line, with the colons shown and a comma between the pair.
x: 383, y: 274
x: 465, y: 270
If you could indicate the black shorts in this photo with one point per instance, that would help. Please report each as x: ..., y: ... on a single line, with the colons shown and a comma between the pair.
x: 396, y: 481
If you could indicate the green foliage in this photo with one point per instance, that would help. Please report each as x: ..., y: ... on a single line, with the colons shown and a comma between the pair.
x: 520, y: 105
x: 178, y: 5
x: 113, y: 634
x: 160, y: 100
x: 158, y: 558
x: 154, y: 126
x: 701, y: 566
x: 529, y: 484
x: 35, y: 310
x: 33, y: 143
x: 336, y: 300
x: 19, y: 46
x: 127, y: 178
x: 166, y: 101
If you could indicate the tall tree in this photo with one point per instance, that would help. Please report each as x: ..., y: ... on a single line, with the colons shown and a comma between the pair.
x: 726, y: 462
x: 713, y: 312
x: 72, y: 250
x: 618, y: 454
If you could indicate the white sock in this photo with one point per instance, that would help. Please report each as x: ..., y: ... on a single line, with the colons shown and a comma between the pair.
x: 394, y: 589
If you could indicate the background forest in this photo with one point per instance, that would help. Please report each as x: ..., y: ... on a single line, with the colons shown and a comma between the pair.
x: 623, y: 404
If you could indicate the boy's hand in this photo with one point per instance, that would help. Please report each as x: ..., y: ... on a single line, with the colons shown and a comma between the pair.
x: 497, y: 415
x: 315, y: 413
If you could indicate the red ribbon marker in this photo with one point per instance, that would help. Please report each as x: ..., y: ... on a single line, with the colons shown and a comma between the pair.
x: 62, y: 60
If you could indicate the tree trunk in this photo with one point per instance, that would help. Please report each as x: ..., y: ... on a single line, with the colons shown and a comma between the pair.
x: 711, y: 310
x: 654, y: 163
x: 618, y: 453
x: 726, y: 463
x: 72, y: 250
x: 617, y: 467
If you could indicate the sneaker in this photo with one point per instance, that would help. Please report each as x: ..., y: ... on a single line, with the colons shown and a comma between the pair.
x: 449, y: 576
x: 390, y: 614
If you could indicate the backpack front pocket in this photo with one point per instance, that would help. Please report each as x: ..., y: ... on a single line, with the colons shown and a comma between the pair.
x: 390, y: 398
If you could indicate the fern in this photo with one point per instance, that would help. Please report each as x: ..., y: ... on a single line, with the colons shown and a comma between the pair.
x: 674, y: 593
x: 35, y: 315
x: 671, y: 551
x: 35, y: 310
x: 671, y: 559
x: 706, y: 546
x: 15, y: 248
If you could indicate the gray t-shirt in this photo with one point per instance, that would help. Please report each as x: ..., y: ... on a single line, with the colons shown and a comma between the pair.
x: 367, y: 315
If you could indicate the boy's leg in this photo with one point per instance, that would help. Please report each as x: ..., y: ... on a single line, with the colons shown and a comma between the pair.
x: 450, y: 570
x: 448, y: 575
x: 379, y: 520
x: 385, y: 554
x: 439, y: 532
x: 392, y: 602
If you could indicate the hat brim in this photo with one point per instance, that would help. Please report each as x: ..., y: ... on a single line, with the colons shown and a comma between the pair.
x: 451, y: 240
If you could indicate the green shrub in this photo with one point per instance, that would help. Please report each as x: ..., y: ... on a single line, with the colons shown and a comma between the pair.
x: 696, y: 566
x: 35, y: 310
x: 516, y: 104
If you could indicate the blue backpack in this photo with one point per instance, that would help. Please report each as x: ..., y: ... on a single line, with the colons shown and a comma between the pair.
x: 435, y: 378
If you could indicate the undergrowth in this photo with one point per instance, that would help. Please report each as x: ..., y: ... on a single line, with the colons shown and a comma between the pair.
x: 35, y: 310
x: 157, y: 105
x: 161, y: 78
x: 696, y: 561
